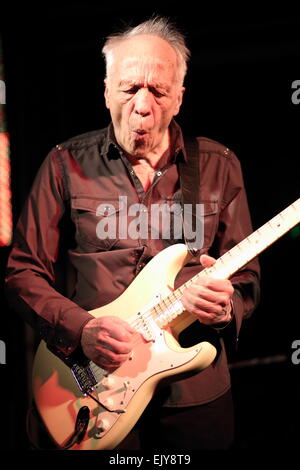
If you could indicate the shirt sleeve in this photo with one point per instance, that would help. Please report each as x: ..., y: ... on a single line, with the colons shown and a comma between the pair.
x: 30, y: 280
x: 234, y: 226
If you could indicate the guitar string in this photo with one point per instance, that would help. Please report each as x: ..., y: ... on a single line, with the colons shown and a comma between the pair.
x: 168, y: 300
x: 162, y: 308
x: 173, y: 298
x: 136, y: 323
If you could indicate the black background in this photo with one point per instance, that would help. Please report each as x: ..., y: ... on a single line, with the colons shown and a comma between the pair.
x: 238, y: 91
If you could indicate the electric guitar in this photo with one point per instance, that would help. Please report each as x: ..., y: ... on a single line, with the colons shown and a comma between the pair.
x: 82, y: 406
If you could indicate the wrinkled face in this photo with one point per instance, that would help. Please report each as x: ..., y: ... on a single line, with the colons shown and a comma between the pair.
x: 143, y: 94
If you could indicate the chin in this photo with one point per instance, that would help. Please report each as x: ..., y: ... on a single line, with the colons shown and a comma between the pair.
x: 139, y: 148
x: 138, y: 153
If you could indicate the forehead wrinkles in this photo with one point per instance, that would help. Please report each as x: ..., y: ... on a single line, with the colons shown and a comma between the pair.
x: 147, y: 70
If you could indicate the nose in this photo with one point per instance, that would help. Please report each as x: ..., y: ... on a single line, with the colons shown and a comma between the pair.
x: 143, y: 102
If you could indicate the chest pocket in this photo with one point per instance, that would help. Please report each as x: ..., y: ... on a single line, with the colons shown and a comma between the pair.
x: 200, y: 226
x: 96, y: 222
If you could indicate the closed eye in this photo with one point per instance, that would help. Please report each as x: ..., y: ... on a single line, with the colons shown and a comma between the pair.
x: 156, y: 93
x: 132, y: 90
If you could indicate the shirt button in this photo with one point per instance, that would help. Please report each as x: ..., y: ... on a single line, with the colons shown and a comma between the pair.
x: 159, y: 173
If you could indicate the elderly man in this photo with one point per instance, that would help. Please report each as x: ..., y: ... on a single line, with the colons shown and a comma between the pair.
x: 141, y: 156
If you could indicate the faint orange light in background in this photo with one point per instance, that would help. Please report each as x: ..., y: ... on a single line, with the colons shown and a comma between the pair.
x: 5, y: 192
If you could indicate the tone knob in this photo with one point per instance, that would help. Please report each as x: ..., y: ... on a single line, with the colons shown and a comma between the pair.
x: 109, y: 402
x: 103, y: 425
x: 109, y: 382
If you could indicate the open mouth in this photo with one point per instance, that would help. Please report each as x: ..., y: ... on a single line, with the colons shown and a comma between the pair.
x: 140, y: 132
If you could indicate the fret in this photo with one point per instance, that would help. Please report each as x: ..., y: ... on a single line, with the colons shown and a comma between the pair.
x: 177, y: 294
x: 234, y: 259
x: 173, y: 310
x: 155, y: 308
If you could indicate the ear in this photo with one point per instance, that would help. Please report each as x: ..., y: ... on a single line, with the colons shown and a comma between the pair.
x: 179, y: 101
x: 106, y: 94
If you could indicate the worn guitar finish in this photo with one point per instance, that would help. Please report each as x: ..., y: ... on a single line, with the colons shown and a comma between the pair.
x: 153, y: 308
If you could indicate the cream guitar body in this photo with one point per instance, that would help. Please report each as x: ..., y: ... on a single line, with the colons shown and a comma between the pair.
x: 112, y: 403
x: 126, y: 392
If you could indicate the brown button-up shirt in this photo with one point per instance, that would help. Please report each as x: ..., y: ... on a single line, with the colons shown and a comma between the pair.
x: 88, y: 208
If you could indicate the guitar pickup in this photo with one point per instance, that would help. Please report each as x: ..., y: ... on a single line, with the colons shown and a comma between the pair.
x: 84, y: 378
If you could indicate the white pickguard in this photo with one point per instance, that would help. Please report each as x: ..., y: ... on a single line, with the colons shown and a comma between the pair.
x: 116, y: 390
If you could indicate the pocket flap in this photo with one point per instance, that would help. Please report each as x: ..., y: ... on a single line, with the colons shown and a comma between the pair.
x: 102, y: 207
x: 209, y: 207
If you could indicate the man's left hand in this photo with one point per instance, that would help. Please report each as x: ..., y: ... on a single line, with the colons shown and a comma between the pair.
x: 209, y: 298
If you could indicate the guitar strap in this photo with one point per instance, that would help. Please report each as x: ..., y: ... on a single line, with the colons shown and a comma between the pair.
x: 189, y: 183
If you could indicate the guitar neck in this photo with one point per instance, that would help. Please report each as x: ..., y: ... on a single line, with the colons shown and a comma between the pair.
x: 254, y: 244
x: 234, y: 259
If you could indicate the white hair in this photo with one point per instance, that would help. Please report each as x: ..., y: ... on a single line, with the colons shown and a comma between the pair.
x: 157, y: 26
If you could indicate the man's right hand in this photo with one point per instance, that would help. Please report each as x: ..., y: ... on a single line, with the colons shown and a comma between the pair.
x: 107, y: 341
